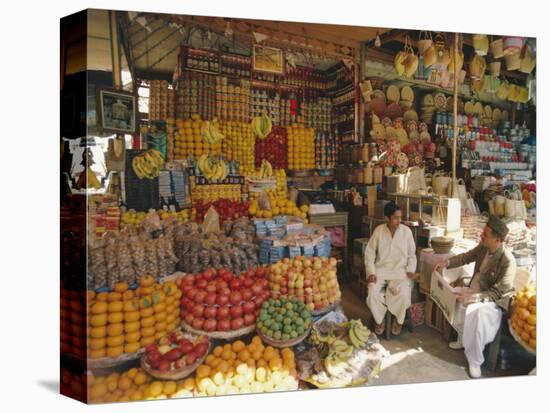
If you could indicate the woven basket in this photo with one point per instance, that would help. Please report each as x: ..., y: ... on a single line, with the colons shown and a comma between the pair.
x: 283, y: 343
x: 222, y: 335
x: 174, y: 374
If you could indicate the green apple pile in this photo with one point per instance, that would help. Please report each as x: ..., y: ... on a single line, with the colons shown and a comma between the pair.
x: 283, y: 319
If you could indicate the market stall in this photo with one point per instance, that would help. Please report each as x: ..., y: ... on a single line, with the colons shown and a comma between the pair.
x: 235, y: 173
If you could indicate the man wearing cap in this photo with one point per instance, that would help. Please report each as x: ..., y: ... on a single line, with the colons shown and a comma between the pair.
x: 477, y: 323
x: 390, y: 260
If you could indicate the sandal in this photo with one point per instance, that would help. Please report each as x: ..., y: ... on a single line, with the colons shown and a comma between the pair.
x: 379, y: 329
x: 396, y: 328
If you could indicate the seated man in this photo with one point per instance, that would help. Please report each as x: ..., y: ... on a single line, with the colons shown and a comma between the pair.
x: 492, y: 284
x: 390, y: 260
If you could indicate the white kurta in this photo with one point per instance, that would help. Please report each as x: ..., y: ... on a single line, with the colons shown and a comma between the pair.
x: 390, y: 258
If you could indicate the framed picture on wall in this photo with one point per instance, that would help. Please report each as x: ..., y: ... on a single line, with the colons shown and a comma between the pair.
x: 117, y: 111
x: 268, y: 59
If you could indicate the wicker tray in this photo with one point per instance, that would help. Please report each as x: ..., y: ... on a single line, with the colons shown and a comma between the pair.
x: 520, y: 341
x: 222, y: 335
x: 301, y: 173
x: 283, y: 343
x: 107, y: 362
x: 174, y: 374
x: 324, y: 310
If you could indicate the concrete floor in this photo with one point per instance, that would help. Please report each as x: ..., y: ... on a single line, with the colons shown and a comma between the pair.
x: 423, y: 355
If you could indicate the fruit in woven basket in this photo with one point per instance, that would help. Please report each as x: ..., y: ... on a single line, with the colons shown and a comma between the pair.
x: 175, y: 351
x: 524, y: 315
x: 283, y: 319
x: 312, y: 281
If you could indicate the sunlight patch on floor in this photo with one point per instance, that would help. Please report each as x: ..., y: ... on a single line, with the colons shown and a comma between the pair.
x: 398, y: 357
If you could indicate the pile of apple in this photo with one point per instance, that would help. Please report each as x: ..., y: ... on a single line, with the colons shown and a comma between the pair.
x: 273, y: 148
x: 227, y: 209
x: 217, y: 301
x: 312, y: 280
x: 176, y: 351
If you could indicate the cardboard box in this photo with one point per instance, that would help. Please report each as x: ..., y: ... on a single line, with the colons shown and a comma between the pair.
x: 442, y: 294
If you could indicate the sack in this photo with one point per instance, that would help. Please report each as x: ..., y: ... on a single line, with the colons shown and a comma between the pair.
x: 211, y: 221
x: 477, y: 67
x: 528, y: 61
x: 424, y: 42
x: 398, y: 62
x: 503, y: 90
x: 458, y: 189
x: 497, y: 48
x: 415, y: 180
x: 513, y: 61
x: 512, y: 45
x: 440, y: 185
x: 429, y: 56
x: 481, y: 44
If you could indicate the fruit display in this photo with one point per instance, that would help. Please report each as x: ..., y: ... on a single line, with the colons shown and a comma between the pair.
x: 148, y: 164
x: 261, y: 125
x: 283, y: 320
x: 312, y: 280
x: 132, y: 217
x: 343, y: 348
x: 197, y: 137
x: 196, y: 95
x: 227, y: 209
x: 232, y: 101
x: 212, y: 168
x: 73, y: 323
x: 238, y: 144
x: 170, y: 138
x: 133, y: 385
x: 233, y: 248
x: 245, y: 368
x: 325, y: 151
x: 132, y: 252
x: 216, y: 302
x: 523, y: 321
x: 273, y: 148
x: 161, y: 100
x: 278, y: 206
x: 123, y: 321
x: 175, y: 356
x: 214, y: 192
x: 301, y: 147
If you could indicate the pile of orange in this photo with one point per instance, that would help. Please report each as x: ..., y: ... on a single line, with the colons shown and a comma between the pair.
x: 132, y: 385
x: 245, y: 368
x: 301, y: 147
x: 188, y: 139
x: 524, y: 315
x: 123, y: 321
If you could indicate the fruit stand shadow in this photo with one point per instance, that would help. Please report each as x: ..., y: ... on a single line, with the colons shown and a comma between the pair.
x: 51, y: 385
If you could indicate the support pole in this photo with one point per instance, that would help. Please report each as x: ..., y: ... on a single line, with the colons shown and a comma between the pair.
x: 115, y: 50
x: 455, y: 105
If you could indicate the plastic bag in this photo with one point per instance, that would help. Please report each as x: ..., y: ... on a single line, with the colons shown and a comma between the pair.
x: 263, y: 202
x: 211, y: 221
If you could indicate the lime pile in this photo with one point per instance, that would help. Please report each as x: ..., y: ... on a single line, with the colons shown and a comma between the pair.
x: 283, y: 319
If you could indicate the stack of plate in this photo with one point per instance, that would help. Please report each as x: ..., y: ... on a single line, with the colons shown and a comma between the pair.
x: 428, y: 109
x: 442, y: 245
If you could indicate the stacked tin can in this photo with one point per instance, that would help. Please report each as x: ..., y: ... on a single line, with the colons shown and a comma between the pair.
x: 196, y: 95
x: 161, y: 100
x: 232, y: 101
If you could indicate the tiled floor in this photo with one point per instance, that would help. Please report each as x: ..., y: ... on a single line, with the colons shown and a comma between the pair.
x: 423, y: 355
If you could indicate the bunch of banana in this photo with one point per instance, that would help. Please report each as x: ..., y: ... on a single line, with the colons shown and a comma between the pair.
x: 358, y: 333
x: 210, y: 133
x: 212, y: 168
x: 148, y: 164
x: 342, y: 349
x: 261, y: 125
x: 335, y: 365
x: 266, y: 170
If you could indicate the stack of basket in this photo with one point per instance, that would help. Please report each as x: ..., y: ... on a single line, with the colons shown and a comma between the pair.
x: 428, y: 109
x: 442, y: 245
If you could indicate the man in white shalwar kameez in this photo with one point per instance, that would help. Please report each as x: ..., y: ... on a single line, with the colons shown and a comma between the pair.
x: 390, y: 261
x: 478, y: 317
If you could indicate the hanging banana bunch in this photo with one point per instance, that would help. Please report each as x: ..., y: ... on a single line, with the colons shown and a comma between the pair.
x: 148, y: 164
x: 261, y: 125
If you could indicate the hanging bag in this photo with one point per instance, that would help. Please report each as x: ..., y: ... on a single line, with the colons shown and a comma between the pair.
x: 513, y: 61
x: 411, y: 60
x: 497, y: 48
x: 424, y: 42
x: 480, y: 43
x: 528, y: 60
x: 477, y: 67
